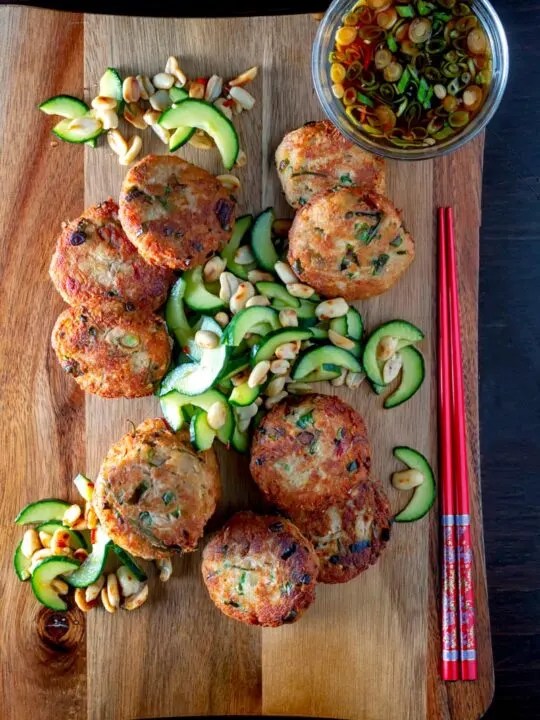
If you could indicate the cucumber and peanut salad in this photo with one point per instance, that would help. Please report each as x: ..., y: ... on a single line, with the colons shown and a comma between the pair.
x: 64, y: 549
x: 247, y: 333
x: 178, y: 110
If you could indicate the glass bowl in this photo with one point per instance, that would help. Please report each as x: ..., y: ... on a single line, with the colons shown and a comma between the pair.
x: 335, y: 110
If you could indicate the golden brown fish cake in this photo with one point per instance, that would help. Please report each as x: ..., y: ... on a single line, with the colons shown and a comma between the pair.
x: 349, y: 243
x: 260, y: 570
x: 175, y: 213
x: 154, y: 493
x: 349, y: 535
x: 94, y: 261
x: 317, y: 157
x: 309, y: 452
x: 111, y: 352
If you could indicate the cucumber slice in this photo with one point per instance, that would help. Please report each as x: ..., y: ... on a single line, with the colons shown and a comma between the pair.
x: 355, y: 324
x: 21, y: 563
x: 128, y: 560
x: 205, y: 116
x: 313, y: 359
x: 241, y: 440
x: 261, y: 329
x: 405, y: 331
x: 66, y: 106
x: 339, y: 325
x: 41, y: 511
x: 175, y: 315
x: 76, y: 539
x: 412, y: 376
x: 68, y: 134
x: 173, y: 403
x: 42, y: 577
x: 178, y: 94
x: 241, y: 227
x: 268, y: 345
x: 424, y: 494
x: 261, y: 240
x: 243, y: 395
x: 93, y: 566
x: 377, y: 389
x: 319, y: 332
x: 234, y: 366
x: 306, y: 311
x: 110, y: 85
x: 244, y: 321
x: 205, y: 322
x: 327, y: 371
x: 180, y: 136
x: 85, y: 486
x: 201, y: 434
x: 195, y: 378
x: 196, y: 296
x: 275, y: 291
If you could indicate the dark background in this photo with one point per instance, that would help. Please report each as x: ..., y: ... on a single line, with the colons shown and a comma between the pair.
x: 510, y: 371
x: 509, y: 341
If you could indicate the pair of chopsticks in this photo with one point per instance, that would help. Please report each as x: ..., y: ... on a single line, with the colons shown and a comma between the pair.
x: 458, y: 610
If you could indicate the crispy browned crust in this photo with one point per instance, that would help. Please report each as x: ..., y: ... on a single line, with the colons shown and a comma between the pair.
x: 260, y: 570
x: 301, y: 464
x: 350, y: 535
x: 328, y: 248
x: 317, y: 157
x: 94, y: 261
x: 111, y: 352
x: 154, y: 493
x: 175, y: 213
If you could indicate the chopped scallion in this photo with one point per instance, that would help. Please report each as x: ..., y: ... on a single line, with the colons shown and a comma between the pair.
x: 403, y: 81
x: 405, y: 11
x: 364, y: 99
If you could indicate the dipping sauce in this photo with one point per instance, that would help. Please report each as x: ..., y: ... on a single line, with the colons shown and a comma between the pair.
x: 411, y: 74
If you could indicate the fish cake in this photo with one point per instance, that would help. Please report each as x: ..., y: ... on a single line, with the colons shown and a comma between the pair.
x: 155, y: 493
x: 94, y: 261
x: 260, y: 570
x: 349, y: 535
x: 349, y: 243
x: 309, y: 452
x: 111, y: 352
x: 317, y: 157
x: 175, y: 213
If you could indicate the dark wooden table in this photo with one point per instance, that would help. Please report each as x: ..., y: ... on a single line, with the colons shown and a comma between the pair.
x: 510, y: 372
x: 509, y: 348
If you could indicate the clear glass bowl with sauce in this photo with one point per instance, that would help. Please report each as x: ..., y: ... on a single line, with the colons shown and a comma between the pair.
x: 335, y: 110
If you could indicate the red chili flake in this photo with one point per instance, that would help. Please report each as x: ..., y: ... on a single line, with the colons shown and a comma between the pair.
x: 93, y: 536
x: 367, y: 56
x: 201, y: 80
x: 229, y: 102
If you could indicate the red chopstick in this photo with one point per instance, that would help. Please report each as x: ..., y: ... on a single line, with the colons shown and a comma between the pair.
x: 449, y: 629
x: 467, y: 640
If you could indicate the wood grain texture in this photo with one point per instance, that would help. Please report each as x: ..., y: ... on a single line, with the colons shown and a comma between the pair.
x: 366, y: 650
x: 42, y: 412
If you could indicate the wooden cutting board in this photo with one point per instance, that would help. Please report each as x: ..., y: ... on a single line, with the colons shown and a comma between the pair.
x: 367, y: 650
